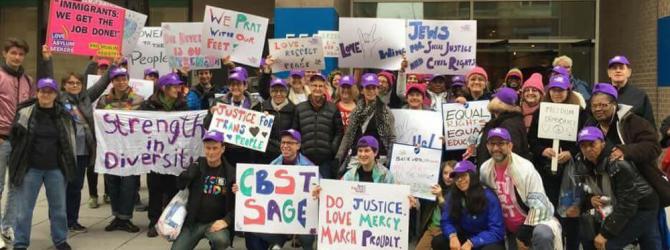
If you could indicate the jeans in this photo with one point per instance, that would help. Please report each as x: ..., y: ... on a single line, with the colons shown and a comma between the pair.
x: 10, y: 207
x: 73, y: 196
x: 122, y: 194
x: 162, y: 188
x: 192, y: 234
x: 543, y: 239
x: 26, y: 194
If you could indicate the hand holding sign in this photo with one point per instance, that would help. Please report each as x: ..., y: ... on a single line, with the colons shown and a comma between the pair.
x: 558, y: 121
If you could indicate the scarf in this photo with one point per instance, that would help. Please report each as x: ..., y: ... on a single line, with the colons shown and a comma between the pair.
x: 278, y: 107
x: 317, y: 103
x: 528, y: 112
x: 16, y: 73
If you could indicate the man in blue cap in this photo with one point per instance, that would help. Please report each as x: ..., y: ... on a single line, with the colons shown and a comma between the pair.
x: 619, y: 72
x: 210, y: 210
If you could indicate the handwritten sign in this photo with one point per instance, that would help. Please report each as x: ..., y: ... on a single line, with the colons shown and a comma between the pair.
x: 363, y: 215
x: 137, y: 142
x: 371, y: 43
x: 142, y: 87
x: 148, y: 53
x: 441, y: 47
x: 331, y: 42
x: 238, y: 34
x: 182, y: 46
x: 558, y: 121
x: 276, y: 199
x: 462, y: 123
x: 417, y: 167
x: 85, y: 29
x: 418, y: 127
x: 133, y: 24
x: 297, y: 54
x: 242, y: 127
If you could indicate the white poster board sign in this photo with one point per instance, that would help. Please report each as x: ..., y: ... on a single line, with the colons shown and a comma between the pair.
x: 183, y: 47
x: 462, y: 123
x: 243, y: 127
x: 238, y: 34
x: 305, y: 53
x: 331, y: 42
x: 417, y: 167
x: 418, y: 127
x: 371, y: 43
x: 148, y: 53
x: 441, y: 47
x: 141, y: 87
x: 558, y: 121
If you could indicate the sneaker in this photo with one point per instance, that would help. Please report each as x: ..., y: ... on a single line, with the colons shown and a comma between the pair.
x: 8, y: 235
x: 93, y: 202
x: 77, y: 228
x: 112, y: 225
x: 128, y: 226
x: 151, y: 233
x: 63, y: 246
x: 106, y: 199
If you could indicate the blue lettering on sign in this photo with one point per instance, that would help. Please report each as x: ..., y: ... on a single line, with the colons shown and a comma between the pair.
x: 420, y: 31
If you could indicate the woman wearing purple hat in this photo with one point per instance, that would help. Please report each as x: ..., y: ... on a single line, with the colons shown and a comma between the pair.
x: 42, y: 139
x: 367, y: 168
x: 283, y: 110
x: 559, y: 91
x: 347, y: 95
x: 371, y: 117
x: 472, y: 217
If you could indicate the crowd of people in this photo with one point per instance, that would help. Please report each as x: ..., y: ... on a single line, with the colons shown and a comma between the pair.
x: 499, y: 193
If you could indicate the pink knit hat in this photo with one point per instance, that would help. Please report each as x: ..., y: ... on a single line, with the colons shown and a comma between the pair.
x: 535, y: 81
x: 477, y: 71
x: 389, y: 76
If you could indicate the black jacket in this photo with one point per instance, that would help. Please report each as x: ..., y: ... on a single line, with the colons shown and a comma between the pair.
x: 153, y: 103
x: 192, y: 179
x: 321, y: 131
x: 631, y: 191
x: 283, y: 121
x: 513, y: 122
x: 665, y: 138
x: 633, y: 96
x: 21, y: 137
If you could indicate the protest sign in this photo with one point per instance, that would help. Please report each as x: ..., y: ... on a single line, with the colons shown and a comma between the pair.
x: 81, y: 28
x: 276, y: 199
x: 417, y: 167
x: 242, y: 127
x: 371, y: 43
x: 148, y: 53
x: 182, y: 46
x: 227, y: 32
x: 331, y: 42
x: 137, y: 142
x: 463, y: 123
x: 363, y: 215
x: 418, y: 127
x: 304, y: 53
x: 441, y: 47
x: 141, y: 87
x: 133, y: 24
x: 558, y: 121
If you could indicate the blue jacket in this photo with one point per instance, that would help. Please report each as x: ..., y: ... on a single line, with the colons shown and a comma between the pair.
x: 302, y: 161
x: 484, y: 229
x: 581, y: 87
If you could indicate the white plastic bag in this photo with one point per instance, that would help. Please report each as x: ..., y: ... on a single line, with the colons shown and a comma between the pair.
x: 172, y: 219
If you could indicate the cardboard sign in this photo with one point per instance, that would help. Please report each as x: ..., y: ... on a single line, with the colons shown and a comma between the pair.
x: 297, y: 54
x: 417, y: 167
x: 141, y: 87
x: 227, y: 32
x: 148, y: 53
x: 558, y: 121
x: 331, y: 42
x: 133, y: 25
x: 182, y: 46
x: 441, y: 47
x: 418, y: 127
x: 371, y: 43
x: 463, y: 123
x: 139, y: 142
x: 81, y: 28
x: 363, y: 215
x: 242, y: 127
x: 276, y: 199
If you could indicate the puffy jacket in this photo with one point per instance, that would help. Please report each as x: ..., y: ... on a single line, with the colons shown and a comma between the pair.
x: 484, y: 229
x: 513, y: 122
x: 15, y: 87
x: 192, y: 179
x: 321, y: 130
x: 21, y: 137
x: 630, y: 190
x: 283, y: 121
x: 198, y: 98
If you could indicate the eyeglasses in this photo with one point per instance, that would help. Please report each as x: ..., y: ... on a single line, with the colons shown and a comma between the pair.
x: 497, y: 144
x: 600, y: 105
x: 278, y: 91
x: 290, y: 143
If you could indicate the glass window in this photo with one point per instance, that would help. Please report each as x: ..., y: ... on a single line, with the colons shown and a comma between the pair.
x: 411, y: 10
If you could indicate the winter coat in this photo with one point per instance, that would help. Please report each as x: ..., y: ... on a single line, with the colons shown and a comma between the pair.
x: 321, y: 131
x: 484, y: 229
x: 21, y: 137
x: 513, y: 122
x: 154, y: 104
x: 191, y: 179
x: 380, y: 174
x: 198, y: 98
x: 301, y: 161
x: 129, y: 101
x: 630, y: 192
x: 639, y: 100
x: 381, y: 126
x: 15, y: 87
x: 283, y: 121
x: 581, y: 87
x: 665, y: 138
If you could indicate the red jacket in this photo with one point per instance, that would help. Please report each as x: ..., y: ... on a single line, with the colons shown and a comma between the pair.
x: 13, y: 91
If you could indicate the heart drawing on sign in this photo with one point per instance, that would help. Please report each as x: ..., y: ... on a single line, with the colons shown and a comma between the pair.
x: 265, y: 134
x: 230, y: 137
x: 254, y: 131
